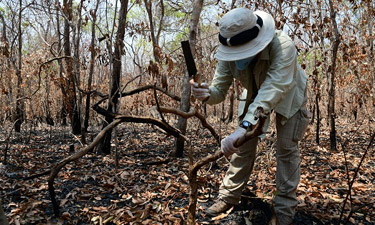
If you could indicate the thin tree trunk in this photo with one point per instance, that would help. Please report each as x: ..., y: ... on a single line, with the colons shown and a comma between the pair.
x: 104, y: 147
x: 5, y: 51
x: 371, y: 54
x: 19, y: 113
x: 155, y: 37
x: 71, y: 86
x: 185, y: 95
x: 331, y: 100
x: 91, y: 68
x: 155, y: 42
x: 77, y: 74
x: 61, y: 84
x: 317, y: 137
x: 317, y: 99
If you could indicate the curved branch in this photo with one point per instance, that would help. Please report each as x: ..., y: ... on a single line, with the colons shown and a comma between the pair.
x: 56, y: 169
x: 191, y: 113
x: 40, y: 70
x: 141, y: 89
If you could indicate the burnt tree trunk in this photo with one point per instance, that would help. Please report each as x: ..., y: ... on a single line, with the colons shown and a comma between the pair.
x: 61, y: 83
x: 185, y: 95
x: 317, y: 137
x: 91, y: 68
x: 72, y: 108
x: 317, y: 99
x: 20, y: 106
x: 4, y: 50
x: 332, y: 70
x: 77, y: 73
x: 370, y: 14
x: 104, y: 147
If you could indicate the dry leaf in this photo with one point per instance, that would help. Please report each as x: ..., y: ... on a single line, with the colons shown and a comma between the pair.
x: 223, y: 215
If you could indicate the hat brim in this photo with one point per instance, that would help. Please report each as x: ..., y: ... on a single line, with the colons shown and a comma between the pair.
x: 253, y: 47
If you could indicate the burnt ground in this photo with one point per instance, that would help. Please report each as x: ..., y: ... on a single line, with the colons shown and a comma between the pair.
x: 147, y: 189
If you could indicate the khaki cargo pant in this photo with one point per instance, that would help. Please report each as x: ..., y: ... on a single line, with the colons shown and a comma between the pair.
x: 288, y: 165
x: 3, y: 218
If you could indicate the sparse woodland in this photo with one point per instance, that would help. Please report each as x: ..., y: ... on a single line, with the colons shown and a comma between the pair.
x: 97, y: 125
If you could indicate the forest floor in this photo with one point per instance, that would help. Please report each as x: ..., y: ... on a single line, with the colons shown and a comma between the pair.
x: 145, y: 188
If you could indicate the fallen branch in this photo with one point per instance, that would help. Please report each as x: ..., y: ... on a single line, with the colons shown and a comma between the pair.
x: 118, y: 119
x: 56, y: 169
x: 193, y: 170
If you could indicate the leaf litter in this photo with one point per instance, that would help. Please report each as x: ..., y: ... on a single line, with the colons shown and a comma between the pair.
x: 93, y: 191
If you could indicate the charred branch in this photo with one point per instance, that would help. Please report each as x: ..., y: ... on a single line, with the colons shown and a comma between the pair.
x: 191, y: 113
x: 141, y: 89
x: 193, y: 170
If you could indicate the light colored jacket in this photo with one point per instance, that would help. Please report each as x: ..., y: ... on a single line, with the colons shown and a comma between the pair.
x: 280, y: 80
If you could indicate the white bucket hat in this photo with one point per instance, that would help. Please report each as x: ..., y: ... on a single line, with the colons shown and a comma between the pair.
x: 244, y: 33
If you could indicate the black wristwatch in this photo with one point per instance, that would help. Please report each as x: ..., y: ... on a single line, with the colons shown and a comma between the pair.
x: 245, y: 124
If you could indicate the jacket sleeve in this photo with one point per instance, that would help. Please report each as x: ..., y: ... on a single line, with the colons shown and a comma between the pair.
x: 220, y: 84
x: 280, y: 78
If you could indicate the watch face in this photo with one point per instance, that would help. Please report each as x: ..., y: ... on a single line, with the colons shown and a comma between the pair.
x: 246, y: 124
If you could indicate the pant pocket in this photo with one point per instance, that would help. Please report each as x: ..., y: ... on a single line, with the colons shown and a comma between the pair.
x: 301, y: 126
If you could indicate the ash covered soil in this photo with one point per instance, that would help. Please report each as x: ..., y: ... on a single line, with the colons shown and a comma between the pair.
x: 150, y: 187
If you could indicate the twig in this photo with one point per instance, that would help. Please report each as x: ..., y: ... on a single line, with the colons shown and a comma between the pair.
x: 352, y: 211
x: 346, y: 164
x: 355, y: 176
x: 157, y: 104
x: 131, y: 80
x: 40, y: 70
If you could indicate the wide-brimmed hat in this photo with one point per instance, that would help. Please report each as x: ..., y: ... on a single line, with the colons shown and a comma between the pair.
x: 244, y: 33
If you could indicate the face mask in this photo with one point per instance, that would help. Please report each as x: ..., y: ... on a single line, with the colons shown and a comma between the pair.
x: 244, y: 63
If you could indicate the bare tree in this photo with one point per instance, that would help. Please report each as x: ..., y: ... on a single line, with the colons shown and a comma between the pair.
x: 57, y: 54
x: 72, y: 106
x: 332, y: 70
x: 155, y: 33
x: 104, y: 147
x: 92, y: 63
x: 77, y: 71
x: 185, y: 94
x: 20, y: 105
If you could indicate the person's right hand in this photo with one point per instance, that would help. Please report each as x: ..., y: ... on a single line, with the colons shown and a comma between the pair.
x: 200, y: 92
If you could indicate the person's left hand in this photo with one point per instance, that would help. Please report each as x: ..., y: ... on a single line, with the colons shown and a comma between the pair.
x: 227, y: 144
